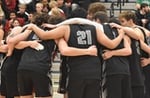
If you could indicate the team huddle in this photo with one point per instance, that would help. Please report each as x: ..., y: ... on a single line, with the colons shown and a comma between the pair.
x: 100, y: 57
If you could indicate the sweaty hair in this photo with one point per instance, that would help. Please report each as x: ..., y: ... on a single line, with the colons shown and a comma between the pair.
x: 95, y: 7
x: 55, y: 20
x: 39, y: 18
x: 102, y: 16
x: 128, y: 15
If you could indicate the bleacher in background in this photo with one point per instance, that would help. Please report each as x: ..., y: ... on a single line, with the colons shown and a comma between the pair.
x: 114, y: 7
x: 55, y: 72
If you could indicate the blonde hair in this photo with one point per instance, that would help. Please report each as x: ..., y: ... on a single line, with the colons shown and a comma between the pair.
x: 53, y: 4
x: 39, y: 5
x: 55, y: 12
x: 22, y: 5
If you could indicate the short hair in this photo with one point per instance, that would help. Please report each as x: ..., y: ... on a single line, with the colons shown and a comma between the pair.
x: 143, y: 5
x: 55, y: 20
x: 22, y: 6
x: 102, y: 16
x: 40, y: 18
x: 53, y: 4
x: 95, y: 7
x: 39, y: 4
x: 114, y: 20
x: 128, y: 15
x: 78, y: 12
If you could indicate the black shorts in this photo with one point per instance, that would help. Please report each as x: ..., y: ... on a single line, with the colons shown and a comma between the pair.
x: 84, y: 88
x: 118, y: 86
x: 146, y: 71
x: 9, y: 85
x: 29, y: 82
x: 138, y: 91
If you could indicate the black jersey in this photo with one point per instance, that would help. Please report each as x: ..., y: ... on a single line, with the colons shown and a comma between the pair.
x: 135, y: 65
x: 115, y: 64
x: 143, y: 53
x: 11, y: 63
x: 146, y: 41
x: 87, y: 67
x: 39, y: 61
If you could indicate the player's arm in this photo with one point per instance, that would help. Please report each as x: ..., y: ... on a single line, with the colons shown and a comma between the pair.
x: 105, y: 41
x: 129, y: 31
x: 119, y: 52
x: 72, y: 51
x: 80, y: 21
x: 56, y: 33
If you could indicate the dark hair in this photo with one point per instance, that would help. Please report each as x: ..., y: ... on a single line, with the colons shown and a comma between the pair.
x: 102, y: 16
x: 39, y: 18
x: 114, y: 20
x: 143, y: 5
x: 13, y: 11
x: 55, y: 20
x: 78, y: 12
